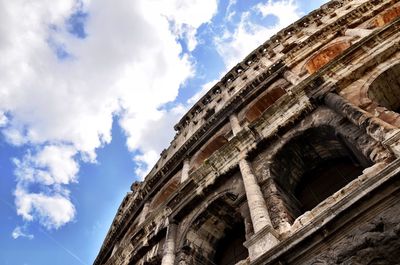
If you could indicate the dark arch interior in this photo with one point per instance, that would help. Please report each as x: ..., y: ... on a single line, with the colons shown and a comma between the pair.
x: 385, y: 90
x: 313, y: 166
x: 324, y: 180
x: 230, y: 249
x: 217, y: 235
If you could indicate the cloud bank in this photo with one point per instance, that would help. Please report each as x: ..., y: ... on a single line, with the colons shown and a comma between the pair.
x: 69, y: 68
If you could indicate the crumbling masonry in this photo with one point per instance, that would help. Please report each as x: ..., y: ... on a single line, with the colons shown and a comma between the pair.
x: 292, y: 158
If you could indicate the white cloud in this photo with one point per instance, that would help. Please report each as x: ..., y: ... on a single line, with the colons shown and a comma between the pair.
x: 145, y: 161
x: 285, y: 10
x: 61, y: 92
x: 234, y: 45
x: 3, y: 119
x: 52, y: 211
x: 230, y: 12
x: 51, y: 165
x: 154, y: 137
x: 20, y: 232
x: 187, y: 16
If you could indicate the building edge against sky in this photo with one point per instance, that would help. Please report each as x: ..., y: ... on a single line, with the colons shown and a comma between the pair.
x: 291, y: 158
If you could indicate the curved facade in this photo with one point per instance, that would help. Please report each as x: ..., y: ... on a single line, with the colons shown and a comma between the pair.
x: 291, y: 158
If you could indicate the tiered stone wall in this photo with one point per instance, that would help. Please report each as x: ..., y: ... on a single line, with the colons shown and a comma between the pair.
x: 325, y: 87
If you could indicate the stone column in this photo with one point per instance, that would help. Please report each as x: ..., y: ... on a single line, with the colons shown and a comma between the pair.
x: 265, y: 237
x: 144, y: 213
x: 258, y: 209
x: 235, y: 125
x: 245, y: 213
x: 374, y: 127
x: 185, y: 170
x: 169, y: 245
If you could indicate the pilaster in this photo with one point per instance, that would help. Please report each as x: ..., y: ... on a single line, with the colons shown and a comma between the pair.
x: 144, y: 213
x: 358, y: 32
x: 291, y: 77
x: 185, y: 170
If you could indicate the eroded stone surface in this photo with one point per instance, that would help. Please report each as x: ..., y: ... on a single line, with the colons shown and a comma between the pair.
x: 377, y: 242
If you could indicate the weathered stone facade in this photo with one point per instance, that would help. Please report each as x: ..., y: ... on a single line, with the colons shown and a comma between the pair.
x: 292, y: 158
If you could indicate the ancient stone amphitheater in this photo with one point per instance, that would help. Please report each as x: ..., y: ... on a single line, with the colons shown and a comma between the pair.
x: 293, y: 157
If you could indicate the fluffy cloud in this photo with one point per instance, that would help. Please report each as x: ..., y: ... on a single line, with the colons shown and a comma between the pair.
x: 154, y: 136
x: 187, y: 16
x: 69, y: 68
x: 52, y: 211
x: 51, y: 165
x: 235, y: 44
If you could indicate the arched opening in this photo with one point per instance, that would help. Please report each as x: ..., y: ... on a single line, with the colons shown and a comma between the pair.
x: 170, y: 187
x: 263, y: 103
x: 325, y: 179
x: 208, y: 150
x: 326, y: 55
x: 385, y: 89
x: 314, y: 165
x: 216, y: 236
x: 387, y: 16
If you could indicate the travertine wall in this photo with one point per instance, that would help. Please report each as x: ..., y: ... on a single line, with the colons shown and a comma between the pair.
x: 322, y: 95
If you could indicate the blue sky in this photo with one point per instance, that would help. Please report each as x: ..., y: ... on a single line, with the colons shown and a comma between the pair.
x: 90, y: 91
